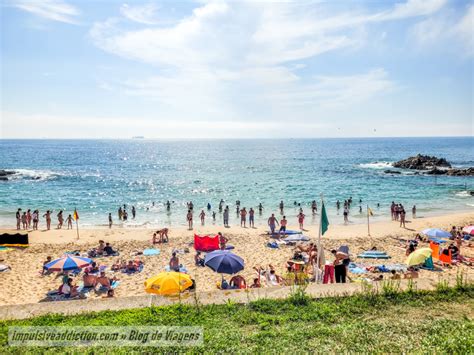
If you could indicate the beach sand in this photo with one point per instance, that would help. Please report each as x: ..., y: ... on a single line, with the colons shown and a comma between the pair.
x: 24, y: 284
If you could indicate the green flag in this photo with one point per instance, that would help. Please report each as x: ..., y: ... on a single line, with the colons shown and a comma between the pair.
x: 324, y: 220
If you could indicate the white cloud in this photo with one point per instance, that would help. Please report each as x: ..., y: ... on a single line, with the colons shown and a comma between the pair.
x: 55, y: 10
x: 452, y: 31
x: 145, y: 14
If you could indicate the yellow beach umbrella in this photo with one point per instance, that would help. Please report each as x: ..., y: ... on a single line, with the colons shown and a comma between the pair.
x: 419, y: 256
x: 168, y: 283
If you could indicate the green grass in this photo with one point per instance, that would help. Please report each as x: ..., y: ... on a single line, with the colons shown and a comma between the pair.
x: 411, y: 322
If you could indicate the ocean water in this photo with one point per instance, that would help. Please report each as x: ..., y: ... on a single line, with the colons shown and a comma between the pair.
x: 97, y: 176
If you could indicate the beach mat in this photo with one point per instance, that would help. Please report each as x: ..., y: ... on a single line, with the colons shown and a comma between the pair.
x: 150, y: 252
x: 296, y: 238
x: 366, y: 255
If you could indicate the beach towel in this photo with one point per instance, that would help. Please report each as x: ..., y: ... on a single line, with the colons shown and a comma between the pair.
x: 371, y: 255
x: 296, y: 238
x: 150, y: 252
x: 206, y: 243
x: 356, y: 269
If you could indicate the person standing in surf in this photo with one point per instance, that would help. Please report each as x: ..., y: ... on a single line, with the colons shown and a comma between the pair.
x: 314, y: 207
x: 251, y: 218
x: 202, y: 215
x: 243, y: 218
x: 60, y: 219
x: 226, y: 216
x: 189, y: 218
x: 110, y: 220
x: 272, y: 222
x: 47, y: 215
x: 69, y: 222
x: 301, y: 219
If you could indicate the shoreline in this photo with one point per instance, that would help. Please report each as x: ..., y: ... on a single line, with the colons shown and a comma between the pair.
x: 361, y: 219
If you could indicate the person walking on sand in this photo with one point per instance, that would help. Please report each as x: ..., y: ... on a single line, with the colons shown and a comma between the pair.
x: 202, y: 215
x: 402, y: 217
x: 226, y: 216
x: 134, y: 212
x: 47, y: 215
x: 272, y: 222
x: 283, y: 224
x: 301, y: 219
x: 60, y: 219
x: 413, y: 211
x: 18, y: 219
x: 243, y: 218
x: 110, y: 220
x: 69, y: 222
x: 251, y: 218
x: 189, y: 218
x: 28, y: 218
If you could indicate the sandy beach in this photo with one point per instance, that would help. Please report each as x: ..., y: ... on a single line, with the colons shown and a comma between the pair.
x: 24, y: 284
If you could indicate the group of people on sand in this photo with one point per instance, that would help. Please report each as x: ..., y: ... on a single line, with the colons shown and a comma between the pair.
x: 29, y: 220
x: 398, y: 213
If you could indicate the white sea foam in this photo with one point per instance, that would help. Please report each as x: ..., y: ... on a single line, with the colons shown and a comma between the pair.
x: 28, y: 174
x: 463, y: 194
x: 377, y: 165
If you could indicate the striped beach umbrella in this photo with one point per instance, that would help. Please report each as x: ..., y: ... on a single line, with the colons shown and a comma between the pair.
x: 68, y: 263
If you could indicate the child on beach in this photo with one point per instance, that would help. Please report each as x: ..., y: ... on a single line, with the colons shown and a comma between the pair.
x: 69, y: 222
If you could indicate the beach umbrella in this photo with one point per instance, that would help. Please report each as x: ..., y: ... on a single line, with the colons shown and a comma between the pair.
x: 168, y: 283
x: 436, y: 233
x: 224, y: 262
x: 419, y: 256
x: 468, y: 230
x: 68, y: 263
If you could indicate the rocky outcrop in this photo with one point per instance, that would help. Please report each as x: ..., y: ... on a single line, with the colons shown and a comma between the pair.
x: 452, y: 172
x: 392, y: 172
x: 422, y: 162
x: 4, y: 174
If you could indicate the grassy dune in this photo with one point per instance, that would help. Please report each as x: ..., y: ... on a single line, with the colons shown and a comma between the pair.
x: 415, y: 321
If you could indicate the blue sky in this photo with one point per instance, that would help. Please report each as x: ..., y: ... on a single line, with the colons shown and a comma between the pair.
x: 205, y: 69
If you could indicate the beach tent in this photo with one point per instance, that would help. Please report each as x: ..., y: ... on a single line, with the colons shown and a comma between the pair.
x: 168, y: 283
x: 434, y: 249
x: 206, y: 243
x: 14, y: 240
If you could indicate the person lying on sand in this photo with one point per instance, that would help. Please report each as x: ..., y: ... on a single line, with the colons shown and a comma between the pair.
x: 394, y: 275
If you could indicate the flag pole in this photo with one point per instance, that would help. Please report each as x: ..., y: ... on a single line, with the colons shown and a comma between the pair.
x: 76, y: 217
x: 319, y: 240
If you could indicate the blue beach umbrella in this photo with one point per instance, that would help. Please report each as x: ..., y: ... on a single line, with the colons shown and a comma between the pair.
x: 436, y: 233
x: 68, y: 263
x: 224, y: 262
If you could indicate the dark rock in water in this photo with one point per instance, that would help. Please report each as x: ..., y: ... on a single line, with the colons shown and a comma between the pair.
x: 436, y: 171
x: 460, y: 172
x: 6, y: 172
x: 392, y: 172
x: 471, y: 193
x: 36, y: 178
x: 422, y: 162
